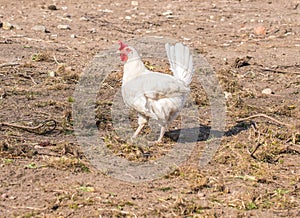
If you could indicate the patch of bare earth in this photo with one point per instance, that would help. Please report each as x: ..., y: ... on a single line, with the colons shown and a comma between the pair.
x: 254, y: 49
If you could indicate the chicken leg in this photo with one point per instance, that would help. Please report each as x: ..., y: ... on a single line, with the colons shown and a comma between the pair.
x: 142, y: 122
x: 162, y: 133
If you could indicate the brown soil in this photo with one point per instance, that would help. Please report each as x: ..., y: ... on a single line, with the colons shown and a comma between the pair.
x: 252, y: 45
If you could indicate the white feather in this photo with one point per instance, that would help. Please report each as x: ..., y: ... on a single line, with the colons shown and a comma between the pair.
x: 181, y: 62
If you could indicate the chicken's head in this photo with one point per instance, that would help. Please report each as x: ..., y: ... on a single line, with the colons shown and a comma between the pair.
x: 124, y: 51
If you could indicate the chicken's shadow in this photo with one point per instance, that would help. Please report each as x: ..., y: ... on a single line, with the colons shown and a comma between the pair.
x: 205, y: 132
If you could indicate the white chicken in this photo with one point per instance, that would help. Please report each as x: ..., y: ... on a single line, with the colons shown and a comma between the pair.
x: 152, y: 94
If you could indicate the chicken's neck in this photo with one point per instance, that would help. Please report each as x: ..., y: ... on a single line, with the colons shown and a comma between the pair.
x: 133, y: 67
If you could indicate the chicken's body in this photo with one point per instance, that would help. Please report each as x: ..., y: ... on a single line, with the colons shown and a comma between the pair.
x: 156, y: 95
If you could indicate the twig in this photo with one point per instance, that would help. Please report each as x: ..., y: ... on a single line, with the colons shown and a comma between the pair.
x: 23, y: 207
x: 32, y: 80
x: 288, y: 66
x: 296, y: 148
x: 29, y: 208
x: 55, y: 60
x: 28, y: 77
x: 33, y: 129
x: 258, y: 132
x: 279, y: 71
x: 9, y: 64
x: 265, y: 116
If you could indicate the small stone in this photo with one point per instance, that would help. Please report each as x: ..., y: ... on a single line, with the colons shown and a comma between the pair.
x: 134, y: 3
x: 93, y: 30
x: 67, y: 16
x: 168, y: 12
x: 84, y: 18
x: 226, y: 44
x: 260, y: 30
x: 73, y: 36
x: 228, y: 95
x: 51, y: 73
x: 52, y: 7
x: 128, y: 18
x: 4, y: 195
x: 170, y: 16
x: 39, y: 28
x: 7, y: 26
x: 64, y: 27
x: 107, y: 11
x: 267, y: 91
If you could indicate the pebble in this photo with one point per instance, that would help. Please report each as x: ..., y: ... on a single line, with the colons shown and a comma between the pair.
x: 63, y: 27
x: 93, y: 30
x: 134, y: 3
x: 267, y: 91
x: 12, y: 197
x: 168, y: 12
x: 52, y: 7
x: 73, y: 36
x: 51, y: 73
x: 40, y: 28
x: 4, y: 195
x: 84, y: 18
x: 228, y: 95
x: 260, y: 30
x: 128, y: 18
x: 107, y: 11
x: 7, y: 26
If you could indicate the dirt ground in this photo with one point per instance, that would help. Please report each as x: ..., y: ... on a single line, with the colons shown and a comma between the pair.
x: 253, y: 47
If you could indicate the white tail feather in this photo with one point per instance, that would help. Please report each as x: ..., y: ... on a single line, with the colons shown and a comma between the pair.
x: 181, y: 62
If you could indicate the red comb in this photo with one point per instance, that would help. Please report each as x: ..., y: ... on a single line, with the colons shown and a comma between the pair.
x: 122, y: 45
